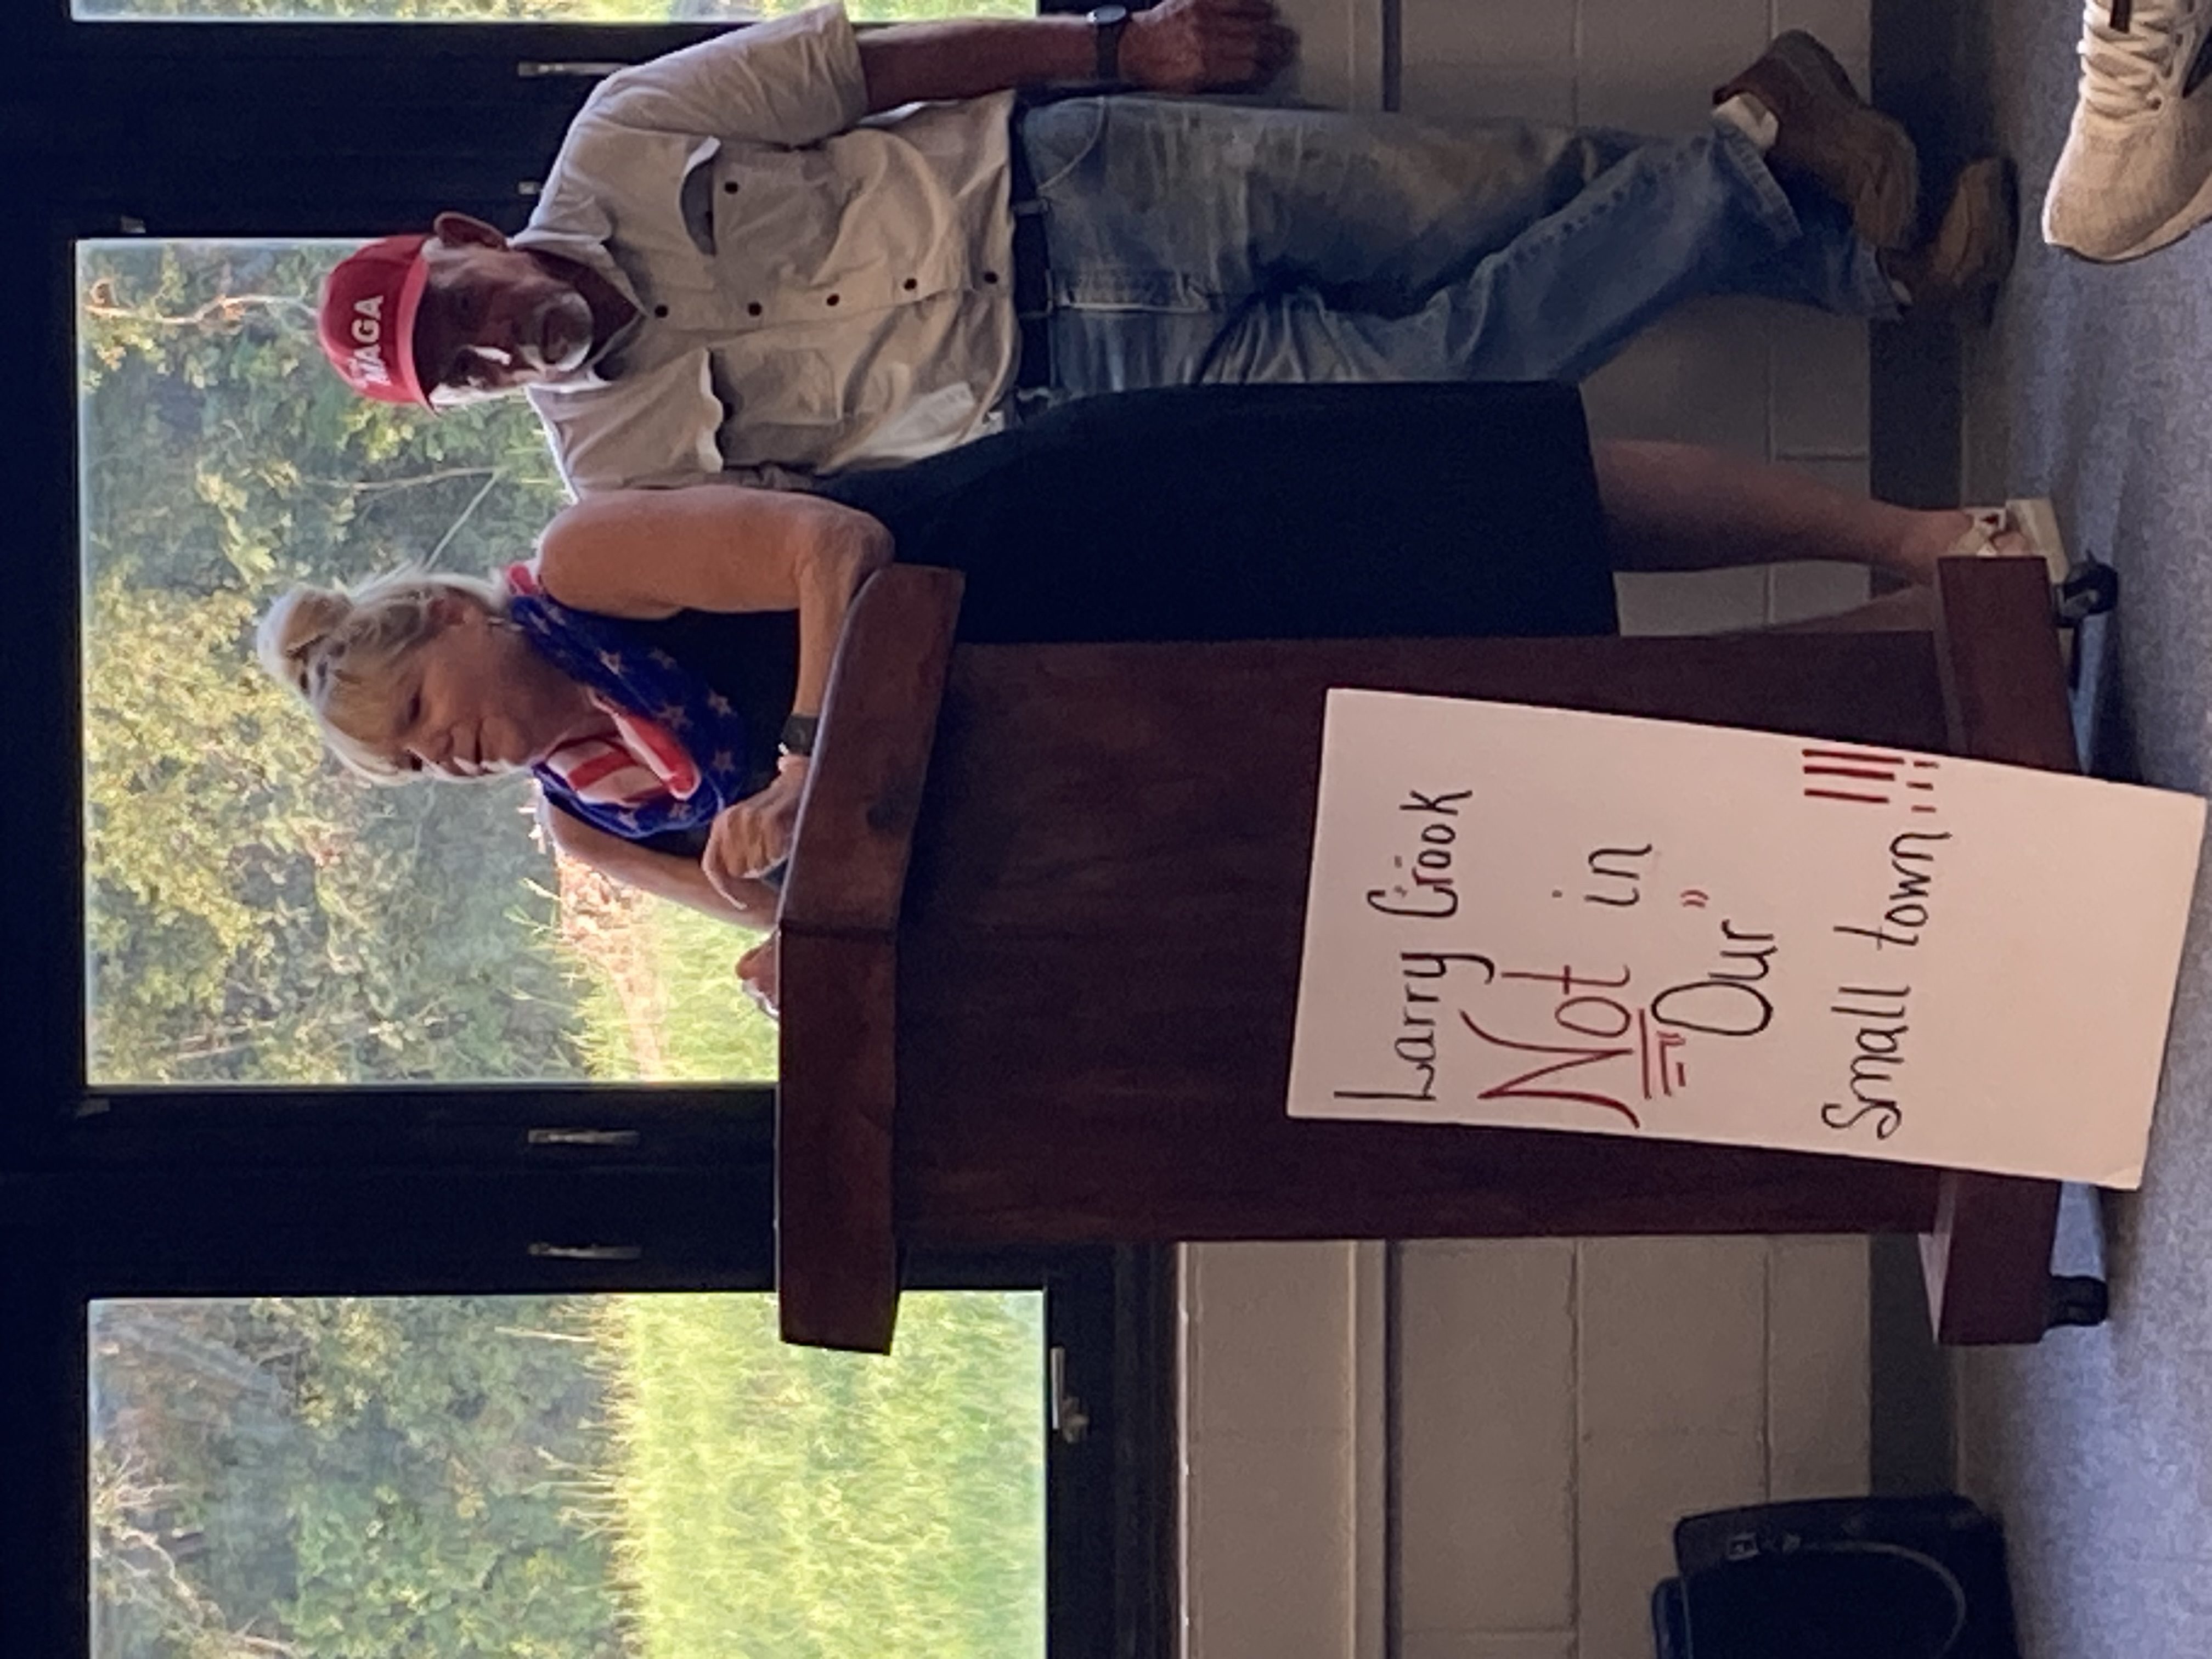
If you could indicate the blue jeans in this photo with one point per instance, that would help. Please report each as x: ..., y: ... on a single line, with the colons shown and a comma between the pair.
x: 1193, y: 241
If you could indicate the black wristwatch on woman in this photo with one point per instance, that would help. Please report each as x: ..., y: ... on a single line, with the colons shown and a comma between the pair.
x: 797, y: 741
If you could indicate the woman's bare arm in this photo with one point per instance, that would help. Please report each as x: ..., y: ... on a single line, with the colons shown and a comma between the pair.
x: 749, y: 903
x: 650, y: 553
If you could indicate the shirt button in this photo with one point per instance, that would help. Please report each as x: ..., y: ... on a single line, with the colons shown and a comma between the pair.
x: 831, y: 301
x: 730, y: 187
x: 910, y: 284
x: 753, y: 310
x: 660, y: 311
x: 990, y: 276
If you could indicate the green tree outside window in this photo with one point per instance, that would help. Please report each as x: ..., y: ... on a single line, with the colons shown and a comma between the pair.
x: 254, y: 913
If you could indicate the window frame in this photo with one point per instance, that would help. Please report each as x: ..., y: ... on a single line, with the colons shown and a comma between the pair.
x: 247, y: 130
x: 42, y: 890
x: 1109, y: 1504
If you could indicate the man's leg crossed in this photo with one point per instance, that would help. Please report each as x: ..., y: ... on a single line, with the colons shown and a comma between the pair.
x: 1193, y: 241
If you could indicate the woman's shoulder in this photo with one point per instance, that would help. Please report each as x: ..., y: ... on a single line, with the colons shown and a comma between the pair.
x: 596, y: 554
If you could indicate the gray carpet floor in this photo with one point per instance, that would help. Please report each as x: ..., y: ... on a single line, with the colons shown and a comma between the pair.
x: 2096, y: 385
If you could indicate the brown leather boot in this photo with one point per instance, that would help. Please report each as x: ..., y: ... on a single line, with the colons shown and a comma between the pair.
x: 1959, y: 269
x: 1828, y: 134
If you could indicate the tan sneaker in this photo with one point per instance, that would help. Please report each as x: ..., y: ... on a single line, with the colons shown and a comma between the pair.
x: 1959, y: 268
x: 1828, y: 133
x: 2137, y: 171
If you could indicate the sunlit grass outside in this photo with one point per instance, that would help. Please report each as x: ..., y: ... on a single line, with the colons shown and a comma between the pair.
x: 779, y: 1503
x: 620, y: 1477
x: 661, y: 1001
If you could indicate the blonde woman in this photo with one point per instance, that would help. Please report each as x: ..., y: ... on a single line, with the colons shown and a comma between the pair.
x: 660, y: 664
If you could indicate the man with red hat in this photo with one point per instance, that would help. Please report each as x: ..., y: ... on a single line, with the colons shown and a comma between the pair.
x: 795, y: 249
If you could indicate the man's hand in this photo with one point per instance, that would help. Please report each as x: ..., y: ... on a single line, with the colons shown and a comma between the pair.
x: 1194, y: 45
x: 1178, y: 45
x: 750, y: 836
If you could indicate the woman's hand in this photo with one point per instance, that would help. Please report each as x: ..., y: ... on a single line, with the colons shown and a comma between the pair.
x: 757, y: 974
x: 752, y: 835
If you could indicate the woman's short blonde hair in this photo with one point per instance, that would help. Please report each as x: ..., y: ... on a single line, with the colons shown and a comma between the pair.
x: 342, y: 649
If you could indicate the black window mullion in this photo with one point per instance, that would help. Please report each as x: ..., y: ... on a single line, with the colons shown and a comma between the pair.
x: 41, y: 880
x: 365, y: 127
x: 219, y: 154
x: 44, y: 29
x: 398, y: 1230
x: 354, y: 1126
x: 45, y: 1562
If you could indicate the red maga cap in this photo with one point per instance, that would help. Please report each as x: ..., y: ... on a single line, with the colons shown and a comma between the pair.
x: 368, y: 319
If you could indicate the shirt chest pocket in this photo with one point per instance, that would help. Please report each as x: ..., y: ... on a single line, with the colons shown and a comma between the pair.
x: 780, y: 217
x: 844, y: 225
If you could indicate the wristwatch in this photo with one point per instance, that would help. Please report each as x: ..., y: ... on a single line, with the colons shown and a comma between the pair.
x: 798, y: 736
x: 1107, y: 23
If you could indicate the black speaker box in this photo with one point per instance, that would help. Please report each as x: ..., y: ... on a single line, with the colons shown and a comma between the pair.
x: 1837, y: 1578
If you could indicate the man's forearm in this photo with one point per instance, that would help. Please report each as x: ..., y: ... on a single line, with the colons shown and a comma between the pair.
x: 1177, y: 46
x: 970, y: 57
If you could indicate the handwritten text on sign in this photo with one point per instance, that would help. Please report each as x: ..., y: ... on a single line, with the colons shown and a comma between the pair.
x: 1544, y: 919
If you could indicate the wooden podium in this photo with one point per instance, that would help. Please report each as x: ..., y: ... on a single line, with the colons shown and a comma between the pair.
x: 1041, y: 935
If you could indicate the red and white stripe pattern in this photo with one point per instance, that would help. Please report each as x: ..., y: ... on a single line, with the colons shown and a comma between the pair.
x: 632, y: 760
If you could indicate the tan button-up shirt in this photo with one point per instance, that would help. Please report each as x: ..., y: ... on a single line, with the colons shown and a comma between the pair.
x: 814, y: 290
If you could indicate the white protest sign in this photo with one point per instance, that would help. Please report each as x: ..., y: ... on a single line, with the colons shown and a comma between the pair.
x: 1545, y: 919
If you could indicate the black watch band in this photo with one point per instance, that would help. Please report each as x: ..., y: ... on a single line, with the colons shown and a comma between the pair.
x: 1107, y: 23
x: 797, y: 735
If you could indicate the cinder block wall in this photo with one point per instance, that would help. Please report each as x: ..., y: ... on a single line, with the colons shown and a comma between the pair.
x: 1477, y: 1450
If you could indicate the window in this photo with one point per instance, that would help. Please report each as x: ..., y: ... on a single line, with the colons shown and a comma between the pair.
x: 562, y: 1476
x: 254, y: 913
x: 236, y: 1153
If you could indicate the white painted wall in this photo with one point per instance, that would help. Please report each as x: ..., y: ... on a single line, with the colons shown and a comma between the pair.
x: 1557, y: 1403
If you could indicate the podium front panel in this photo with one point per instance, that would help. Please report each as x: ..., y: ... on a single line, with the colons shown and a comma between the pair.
x: 1099, y: 942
